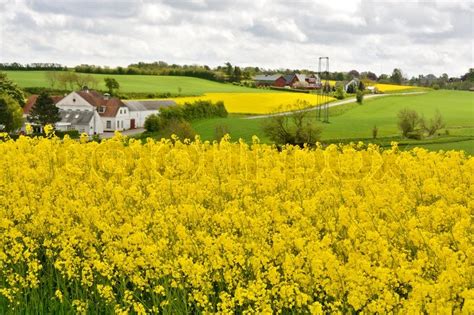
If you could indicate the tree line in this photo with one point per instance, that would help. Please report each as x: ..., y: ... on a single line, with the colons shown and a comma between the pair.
x: 32, y: 66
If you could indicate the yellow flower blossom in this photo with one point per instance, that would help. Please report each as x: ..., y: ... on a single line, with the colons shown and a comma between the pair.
x: 229, y: 227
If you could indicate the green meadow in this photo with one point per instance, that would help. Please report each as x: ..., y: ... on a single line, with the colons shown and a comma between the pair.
x: 141, y: 83
x: 355, y: 122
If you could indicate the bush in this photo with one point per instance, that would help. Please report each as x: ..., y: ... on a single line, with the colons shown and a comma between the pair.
x: 182, y: 129
x: 408, y: 121
x: 416, y: 135
x: 340, y: 94
x: 153, y: 123
x: 435, y: 124
x: 375, y: 132
x: 360, y: 96
x: 73, y: 134
x: 297, y: 128
x: 435, y: 86
x: 220, y: 131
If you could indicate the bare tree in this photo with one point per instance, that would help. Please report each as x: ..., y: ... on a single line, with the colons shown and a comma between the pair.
x: 436, y: 123
x: 52, y: 78
x: 409, y: 121
x: 298, y: 127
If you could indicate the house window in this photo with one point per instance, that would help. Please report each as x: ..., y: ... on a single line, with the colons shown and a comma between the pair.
x: 121, y: 123
x: 109, y: 124
x: 118, y: 124
x: 102, y: 109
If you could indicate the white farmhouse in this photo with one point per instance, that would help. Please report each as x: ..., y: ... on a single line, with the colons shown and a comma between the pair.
x: 88, y: 111
x: 93, y: 113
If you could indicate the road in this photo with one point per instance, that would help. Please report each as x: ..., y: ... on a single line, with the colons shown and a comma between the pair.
x: 129, y: 132
x: 333, y: 104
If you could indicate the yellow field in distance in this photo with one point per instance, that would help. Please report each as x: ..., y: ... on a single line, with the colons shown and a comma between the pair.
x: 255, y: 103
x: 393, y: 87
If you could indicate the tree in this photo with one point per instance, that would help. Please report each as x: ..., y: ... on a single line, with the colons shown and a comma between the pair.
x: 469, y: 76
x: 229, y: 70
x: 371, y: 76
x: 297, y: 128
x: 360, y: 96
x: 11, y: 114
x: 237, y: 74
x: 409, y: 122
x: 397, y: 76
x: 111, y: 84
x: 153, y: 123
x: 354, y: 74
x: 7, y: 86
x: 340, y: 94
x: 44, y: 111
x: 67, y: 80
x: 436, y: 123
x: 52, y: 78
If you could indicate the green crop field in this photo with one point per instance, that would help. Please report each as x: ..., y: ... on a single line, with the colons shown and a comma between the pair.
x: 142, y: 83
x: 354, y: 121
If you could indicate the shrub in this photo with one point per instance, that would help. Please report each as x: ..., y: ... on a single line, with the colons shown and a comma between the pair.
x: 360, y: 96
x: 220, y: 131
x: 297, y: 128
x: 408, y: 121
x: 435, y: 124
x: 153, y: 123
x: 182, y: 129
x: 375, y: 132
x: 73, y: 134
x: 340, y: 94
x: 416, y: 135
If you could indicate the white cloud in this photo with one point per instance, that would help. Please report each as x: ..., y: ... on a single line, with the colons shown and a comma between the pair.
x: 417, y: 36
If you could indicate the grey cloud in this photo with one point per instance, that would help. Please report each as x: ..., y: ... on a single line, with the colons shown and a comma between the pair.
x: 288, y: 34
x: 87, y: 8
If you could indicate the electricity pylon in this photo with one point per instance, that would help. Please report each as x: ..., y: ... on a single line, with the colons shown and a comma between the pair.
x: 323, y: 97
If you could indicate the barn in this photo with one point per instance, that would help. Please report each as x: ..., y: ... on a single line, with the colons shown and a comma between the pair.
x: 140, y: 110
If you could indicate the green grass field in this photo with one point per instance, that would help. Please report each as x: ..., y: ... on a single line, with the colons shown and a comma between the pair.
x: 142, y: 83
x: 355, y: 121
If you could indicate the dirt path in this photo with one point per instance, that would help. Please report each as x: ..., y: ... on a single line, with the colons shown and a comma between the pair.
x: 333, y: 104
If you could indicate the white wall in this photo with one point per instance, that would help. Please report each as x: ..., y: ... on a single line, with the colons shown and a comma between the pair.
x: 74, y: 101
x: 140, y: 117
x: 99, y: 126
x: 123, y: 117
x: 120, y: 122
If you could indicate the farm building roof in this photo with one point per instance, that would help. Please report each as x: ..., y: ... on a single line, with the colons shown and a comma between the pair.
x: 136, y: 106
x: 267, y: 78
x: 76, y: 117
x: 98, y: 100
x: 289, y: 77
x: 30, y: 103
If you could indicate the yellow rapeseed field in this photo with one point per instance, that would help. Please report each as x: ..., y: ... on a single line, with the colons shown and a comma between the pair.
x: 384, y: 88
x: 256, y: 103
x: 170, y: 227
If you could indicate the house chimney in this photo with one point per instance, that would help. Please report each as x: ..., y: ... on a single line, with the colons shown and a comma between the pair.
x: 106, y: 96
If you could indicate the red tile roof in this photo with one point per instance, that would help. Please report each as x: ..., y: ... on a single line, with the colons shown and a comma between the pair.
x: 30, y: 103
x: 96, y: 99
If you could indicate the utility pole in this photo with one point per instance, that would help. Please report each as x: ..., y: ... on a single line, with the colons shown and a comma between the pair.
x: 323, y: 108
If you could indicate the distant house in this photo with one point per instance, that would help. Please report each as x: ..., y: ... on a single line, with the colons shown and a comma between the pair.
x: 354, y: 83
x: 140, y: 110
x: 269, y: 80
x: 294, y: 80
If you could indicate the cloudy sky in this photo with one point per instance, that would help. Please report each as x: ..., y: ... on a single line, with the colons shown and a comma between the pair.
x: 377, y: 35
